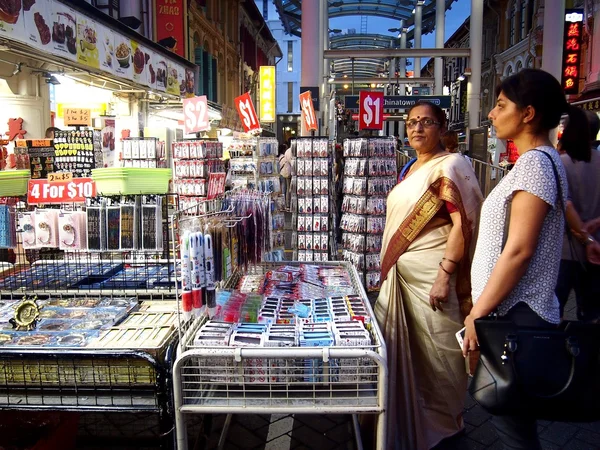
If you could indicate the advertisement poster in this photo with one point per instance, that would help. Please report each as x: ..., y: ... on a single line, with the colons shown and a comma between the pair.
x: 87, y: 42
x: 11, y: 21
x: 123, y: 55
x: 109, y: 153
x: 161, y: 72
x: 151, y: 69
x: 169, y: 19
x: 141, y: 60
x: 175, y: 79
x: 190, y: 85
x: 37, y: 19
x: 106, y: 49
x: 64, y: 31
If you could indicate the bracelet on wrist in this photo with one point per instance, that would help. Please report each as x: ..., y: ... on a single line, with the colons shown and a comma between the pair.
x: 450, y: 260
x: 588, y: 240
x: 442, y: 267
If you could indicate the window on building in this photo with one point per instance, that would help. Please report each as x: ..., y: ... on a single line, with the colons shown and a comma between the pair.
x: 110, y: 7
x: 290, y: 98
x: 530, y: 14
x: 519, y: 66
x: 512, y: 25
x: 266, y: 10
x: 523, y: 18
x: 290, y: 55
x: 529, y: 63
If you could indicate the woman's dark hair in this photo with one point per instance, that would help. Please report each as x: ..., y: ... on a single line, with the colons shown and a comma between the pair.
x: 450, y: 140
x: 282, y: 148
x: 539, y: 89
x: 438, y: 113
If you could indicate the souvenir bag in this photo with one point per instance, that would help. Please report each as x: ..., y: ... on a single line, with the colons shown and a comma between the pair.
x: 546, y: 373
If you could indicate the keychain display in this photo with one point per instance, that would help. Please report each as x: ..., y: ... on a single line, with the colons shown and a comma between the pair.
x: 8, y: 228
x: 370, y: 173
x: 142, y: 152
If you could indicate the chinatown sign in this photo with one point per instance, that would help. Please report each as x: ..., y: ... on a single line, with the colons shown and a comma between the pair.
x: 572, y: 50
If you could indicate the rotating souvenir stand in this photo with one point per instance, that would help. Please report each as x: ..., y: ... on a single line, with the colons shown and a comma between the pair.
x: 268, y: 181
x: 199, y: 171
x: 369, y: 174
x: 312, y: 202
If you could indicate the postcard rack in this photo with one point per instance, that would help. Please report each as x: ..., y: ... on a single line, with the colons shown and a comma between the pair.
x: 281, y: 380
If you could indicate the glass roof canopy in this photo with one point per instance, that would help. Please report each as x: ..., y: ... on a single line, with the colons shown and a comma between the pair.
x: 363, y: 67
x: 290, y: 12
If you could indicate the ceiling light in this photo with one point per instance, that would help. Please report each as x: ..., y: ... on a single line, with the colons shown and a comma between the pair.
x: 461, y: 78
x: 331, y: 79
x: 345, y: 86
x: 372, y: 85
x: 345, y: 76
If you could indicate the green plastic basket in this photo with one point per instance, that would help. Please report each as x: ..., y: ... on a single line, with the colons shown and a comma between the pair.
x: 13, y: 183
x: 131, y: 180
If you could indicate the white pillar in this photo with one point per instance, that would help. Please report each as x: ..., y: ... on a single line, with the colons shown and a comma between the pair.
x: 324, y: 84
x: 391, y: 72
x: 593, y: 78
x: 474, y: 84
x: 418, y: 24
x: 553, y: 40
x: 402, y: 75
x: 311, y: 12
x: 440, y: 29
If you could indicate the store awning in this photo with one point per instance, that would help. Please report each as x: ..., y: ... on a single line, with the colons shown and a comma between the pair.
x: 75, y: 39
x: 589, y: 100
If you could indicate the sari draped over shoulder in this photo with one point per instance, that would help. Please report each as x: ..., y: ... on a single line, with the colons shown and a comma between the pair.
x: 426, y: 369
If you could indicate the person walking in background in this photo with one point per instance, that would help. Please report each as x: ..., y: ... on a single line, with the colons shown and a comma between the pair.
x: 450, y: 141
x: 285, y: 171
x: 431, y: 217
x: 515, y: 274
x: 576, y: 272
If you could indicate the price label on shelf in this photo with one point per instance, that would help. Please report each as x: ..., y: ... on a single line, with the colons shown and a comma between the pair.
x: 370, y: 110
x: 308, y: 111
x: 195, y: 111
x: 77, y: 116
x: 57, y: 177
x: 74, y: 191
x: 247, y: 113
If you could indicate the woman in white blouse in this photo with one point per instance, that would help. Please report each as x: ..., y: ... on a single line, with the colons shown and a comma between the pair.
x: 515, y: 275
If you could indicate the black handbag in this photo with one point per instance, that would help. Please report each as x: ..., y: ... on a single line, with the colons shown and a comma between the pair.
x: 547, y: 373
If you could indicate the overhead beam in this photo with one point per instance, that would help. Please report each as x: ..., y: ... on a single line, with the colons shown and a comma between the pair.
x: 376, y: 80
x: 397, y: 53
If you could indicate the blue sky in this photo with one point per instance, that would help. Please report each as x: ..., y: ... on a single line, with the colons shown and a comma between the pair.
x: 461, y: 9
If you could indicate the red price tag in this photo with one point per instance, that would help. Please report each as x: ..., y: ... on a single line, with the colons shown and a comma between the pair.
x: 308, y: 111
x: 195, y: 110
x: 370, y: 110
x: 74, y: 191
x: 247, y: 113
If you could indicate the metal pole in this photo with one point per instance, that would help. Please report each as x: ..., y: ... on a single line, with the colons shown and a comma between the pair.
x: 352, y: 76
x: 324, y: 91
x: 311, y: 11
x: 440, y: 29
x: 474, y: 83
x: 401, y: 87
x: 418, y: 24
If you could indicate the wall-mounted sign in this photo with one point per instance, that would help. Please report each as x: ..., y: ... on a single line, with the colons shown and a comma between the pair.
x: 77, y: 117
x: 308, y: 111
x: 169, y: 19
x: 247, y: 113
x: 401, y: 101
x: 572, y: 50
x: 267, y: 93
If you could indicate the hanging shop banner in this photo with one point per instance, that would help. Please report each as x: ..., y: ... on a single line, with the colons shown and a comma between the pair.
x: 247, y: 113
x: 54, y: 28
x: 267, y: 93
x: 401, y: 101
x: 573, y: 33
x: 308, y: 111
x: 169, y: 20
x: 195, y: 111
x: 370, y: 111
x: 74, y: 191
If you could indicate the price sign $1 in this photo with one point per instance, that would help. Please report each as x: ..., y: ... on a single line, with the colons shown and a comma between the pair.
x: 247, y: 113
x: 370, y: 113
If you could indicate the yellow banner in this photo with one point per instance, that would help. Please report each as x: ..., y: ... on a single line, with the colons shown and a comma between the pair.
x: 267, y: 93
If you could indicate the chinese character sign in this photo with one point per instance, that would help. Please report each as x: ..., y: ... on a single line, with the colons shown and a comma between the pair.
x: 267, y: 93
x: 572, y: 50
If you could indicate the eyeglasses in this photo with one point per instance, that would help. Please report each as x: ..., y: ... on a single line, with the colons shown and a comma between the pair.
x: 426, y: 122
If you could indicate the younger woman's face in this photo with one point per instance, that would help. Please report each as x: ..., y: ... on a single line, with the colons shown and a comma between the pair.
x: 506, y: 118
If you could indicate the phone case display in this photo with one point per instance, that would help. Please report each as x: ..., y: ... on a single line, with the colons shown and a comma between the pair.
x: 269, y: 182
x: 196, y: 165
x: 145, y: 153
x: 312, y: 199
x: 77, y: 152
x: 369, y: 174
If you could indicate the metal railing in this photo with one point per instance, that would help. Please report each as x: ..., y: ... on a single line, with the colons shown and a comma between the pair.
x: 487, y: 175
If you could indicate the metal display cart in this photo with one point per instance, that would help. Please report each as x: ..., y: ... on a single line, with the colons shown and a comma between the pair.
x: 276, y: 380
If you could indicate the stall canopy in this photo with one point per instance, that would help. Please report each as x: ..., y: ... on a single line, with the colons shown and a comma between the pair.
x: 75, y: 39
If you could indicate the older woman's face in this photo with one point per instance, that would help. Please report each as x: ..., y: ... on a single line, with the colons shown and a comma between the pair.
x: 424, y: 131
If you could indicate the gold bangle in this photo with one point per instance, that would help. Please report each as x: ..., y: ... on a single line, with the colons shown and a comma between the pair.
x: 442, y: 267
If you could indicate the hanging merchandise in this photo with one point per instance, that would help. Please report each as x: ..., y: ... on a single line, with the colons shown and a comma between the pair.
x: 369, y: 174
x: 151, y: 231
x: 96, y: 224
x: 242, y: 163
x: 312, y: 199
x: 8, y: 229
x: 143, y: 153
x: 72, y: 230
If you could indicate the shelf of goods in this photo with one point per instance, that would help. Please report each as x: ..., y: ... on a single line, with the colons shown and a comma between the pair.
x: 88, y: 317
x: 311, y: 199
x: 369, y: 175
x: 284, y: 338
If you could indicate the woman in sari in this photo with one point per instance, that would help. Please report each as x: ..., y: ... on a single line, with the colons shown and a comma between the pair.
x: 425, y: 295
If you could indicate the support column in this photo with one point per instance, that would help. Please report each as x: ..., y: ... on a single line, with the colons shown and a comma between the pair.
x: 324, y: 86
x: 440, y: 29
x: 311, y: 13
x: 402, y: 75
x: 553, y: 40
x: 474, y: 84
x: 418, y: 24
